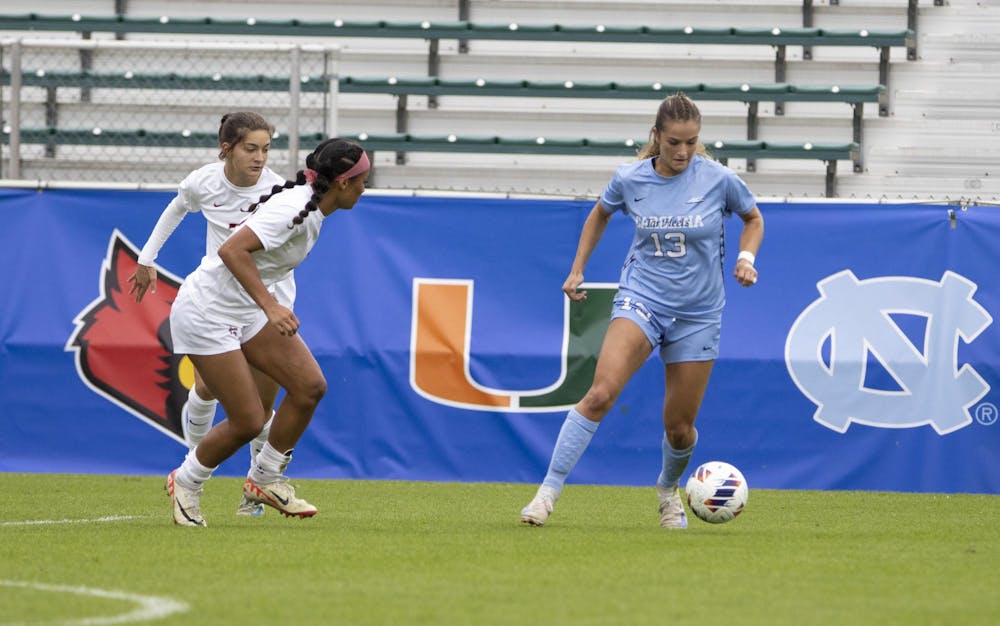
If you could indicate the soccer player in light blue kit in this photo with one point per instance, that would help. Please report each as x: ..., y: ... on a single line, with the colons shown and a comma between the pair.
x: 670, y: 294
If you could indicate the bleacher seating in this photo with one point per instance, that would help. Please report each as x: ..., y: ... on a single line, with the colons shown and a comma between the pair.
x: 775, y: 37
x: 750, y: 94
x: 55, y: 134
x: 573, y: 71
x: 722, y: 150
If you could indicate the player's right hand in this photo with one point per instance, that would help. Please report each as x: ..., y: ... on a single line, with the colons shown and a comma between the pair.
x: 573, y: 281
x: 144, y: 278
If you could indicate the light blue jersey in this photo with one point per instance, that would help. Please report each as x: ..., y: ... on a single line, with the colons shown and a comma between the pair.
x: 675, y: 261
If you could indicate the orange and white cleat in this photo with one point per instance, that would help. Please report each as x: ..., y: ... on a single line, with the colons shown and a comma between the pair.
x: 279, y: 495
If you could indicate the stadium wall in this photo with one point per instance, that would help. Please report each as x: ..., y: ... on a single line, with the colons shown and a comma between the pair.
x: 866, y: 358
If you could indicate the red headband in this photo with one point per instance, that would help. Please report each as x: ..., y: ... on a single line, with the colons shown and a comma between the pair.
x: 362, y: 166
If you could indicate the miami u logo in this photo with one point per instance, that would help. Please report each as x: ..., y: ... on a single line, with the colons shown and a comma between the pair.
x: 441, y: 328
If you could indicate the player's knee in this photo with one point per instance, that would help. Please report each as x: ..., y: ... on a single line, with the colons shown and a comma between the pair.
x: 247, y: 429
x: 598, y: 401
x: 202, y: 391
x: 318, y: 389
x: 680, y: 434
x: 311, y: 390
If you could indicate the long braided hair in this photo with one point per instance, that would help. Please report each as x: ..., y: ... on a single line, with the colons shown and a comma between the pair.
x: 676, y: 108
x: 330, y: 159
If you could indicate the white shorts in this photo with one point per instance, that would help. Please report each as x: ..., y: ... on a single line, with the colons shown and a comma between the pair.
x: 194, y: 332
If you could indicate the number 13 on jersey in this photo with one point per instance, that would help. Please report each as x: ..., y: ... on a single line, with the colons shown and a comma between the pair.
x: 669, y: 244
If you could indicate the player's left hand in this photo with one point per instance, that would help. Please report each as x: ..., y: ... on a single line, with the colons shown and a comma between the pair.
x: 745, y: 273
x: 283, y: 319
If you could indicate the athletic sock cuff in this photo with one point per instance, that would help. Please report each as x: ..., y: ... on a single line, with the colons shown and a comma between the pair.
x: 582, y: 422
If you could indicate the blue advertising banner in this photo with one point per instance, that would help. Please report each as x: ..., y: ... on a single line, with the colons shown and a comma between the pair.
x: 866, y: 357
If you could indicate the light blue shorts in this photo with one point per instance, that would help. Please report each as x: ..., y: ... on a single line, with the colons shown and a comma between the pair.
x: 680, y: 340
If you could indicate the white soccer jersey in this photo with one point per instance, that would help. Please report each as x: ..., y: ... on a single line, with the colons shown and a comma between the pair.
x: 215, y: 291
x: 224, y: 206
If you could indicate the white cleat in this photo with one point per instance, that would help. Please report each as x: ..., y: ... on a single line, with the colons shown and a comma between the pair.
x: 186, y: 503
x: 540, y: 508
x: 249, y: 508
x: 279, y: 495
x: 672, y: 513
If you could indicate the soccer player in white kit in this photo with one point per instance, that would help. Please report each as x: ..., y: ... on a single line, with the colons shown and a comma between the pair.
x: 670, y: 294
x: 223, y: 192
x: 228, y: 320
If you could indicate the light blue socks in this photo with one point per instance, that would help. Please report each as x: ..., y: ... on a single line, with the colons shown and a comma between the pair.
x: 674, y: 463
x: 574, y: 437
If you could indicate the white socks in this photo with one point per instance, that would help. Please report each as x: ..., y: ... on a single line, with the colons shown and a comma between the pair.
x: 200, y: 415
x: 192, y: 474
x: 258, y: 442
x: 269, y: 465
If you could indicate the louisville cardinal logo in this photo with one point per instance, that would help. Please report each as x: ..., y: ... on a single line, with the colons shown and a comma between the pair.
x: 123, y: 347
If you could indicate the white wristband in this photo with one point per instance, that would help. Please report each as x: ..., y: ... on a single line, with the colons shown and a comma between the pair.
x: 749, y: 256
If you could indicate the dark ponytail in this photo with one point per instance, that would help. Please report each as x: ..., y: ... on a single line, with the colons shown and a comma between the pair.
x: 330, y: 159
x: 300, y: 179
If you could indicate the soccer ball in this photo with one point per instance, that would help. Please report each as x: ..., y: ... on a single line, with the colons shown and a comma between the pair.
x: 716, y: 492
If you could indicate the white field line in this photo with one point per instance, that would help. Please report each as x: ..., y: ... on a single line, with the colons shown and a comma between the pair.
x: 95, y: 520
x: 149, y: 607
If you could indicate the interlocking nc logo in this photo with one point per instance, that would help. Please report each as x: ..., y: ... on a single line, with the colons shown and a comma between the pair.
x: 856, y: 317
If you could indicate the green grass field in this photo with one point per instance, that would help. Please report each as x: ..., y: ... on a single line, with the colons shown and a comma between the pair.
x: 404, y: 553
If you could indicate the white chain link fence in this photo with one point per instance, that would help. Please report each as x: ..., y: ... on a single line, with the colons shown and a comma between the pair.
x: 149, y: 112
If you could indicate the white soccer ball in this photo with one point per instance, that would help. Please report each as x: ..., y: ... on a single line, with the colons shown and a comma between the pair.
x: 716, y: 492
